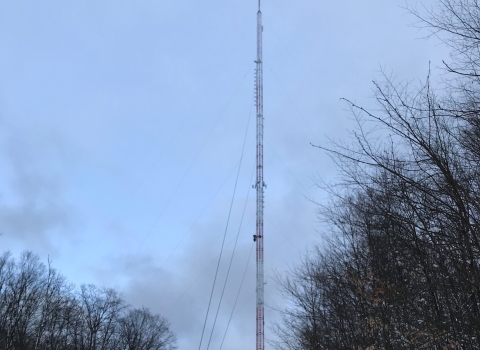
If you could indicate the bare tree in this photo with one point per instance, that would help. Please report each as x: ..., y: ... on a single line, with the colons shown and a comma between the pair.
x: 39, y: 310
x: 401, y: 270
x: 140, y: 330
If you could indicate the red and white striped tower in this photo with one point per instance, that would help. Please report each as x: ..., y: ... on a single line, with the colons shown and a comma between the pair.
x: 259, y: 185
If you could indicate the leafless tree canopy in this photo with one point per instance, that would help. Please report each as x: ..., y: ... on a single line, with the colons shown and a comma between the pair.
x: 402, y: 267
x: 39, y: 310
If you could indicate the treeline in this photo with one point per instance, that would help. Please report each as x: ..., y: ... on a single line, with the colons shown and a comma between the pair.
x: 40, y: 310
x: 401, y: 267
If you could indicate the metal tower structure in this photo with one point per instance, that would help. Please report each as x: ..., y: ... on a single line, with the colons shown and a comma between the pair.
x: 259, y: 185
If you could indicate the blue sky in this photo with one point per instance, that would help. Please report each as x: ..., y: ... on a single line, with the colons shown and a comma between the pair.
x: 121, y: 129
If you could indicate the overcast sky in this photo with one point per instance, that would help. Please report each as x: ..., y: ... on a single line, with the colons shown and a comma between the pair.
x: 121, y: 130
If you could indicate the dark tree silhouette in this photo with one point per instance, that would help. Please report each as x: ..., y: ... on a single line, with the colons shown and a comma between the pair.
x: 39, y: 310
x: 401, y: 269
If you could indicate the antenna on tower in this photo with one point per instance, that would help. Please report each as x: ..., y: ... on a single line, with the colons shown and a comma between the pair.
x: 259, y: 185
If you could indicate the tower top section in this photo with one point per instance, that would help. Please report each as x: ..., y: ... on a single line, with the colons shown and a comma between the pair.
x: 259, y: 6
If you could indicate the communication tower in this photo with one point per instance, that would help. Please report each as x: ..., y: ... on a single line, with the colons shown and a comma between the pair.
x: 259, y: 185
